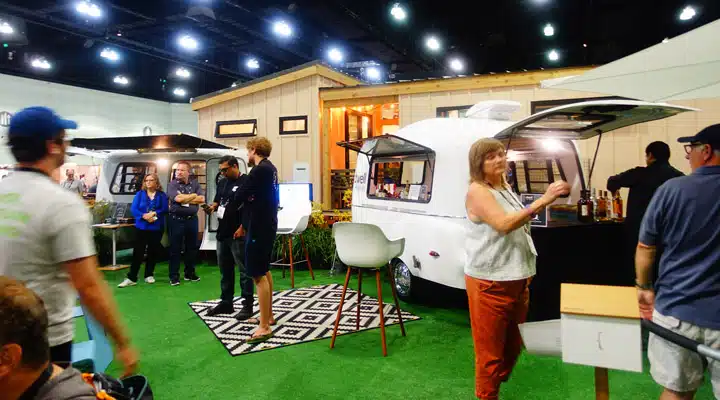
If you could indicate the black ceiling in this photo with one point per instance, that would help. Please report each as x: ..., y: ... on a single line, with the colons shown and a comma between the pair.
x: 491, y: 36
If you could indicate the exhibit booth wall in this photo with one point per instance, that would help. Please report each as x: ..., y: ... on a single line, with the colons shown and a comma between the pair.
x: 98, y: 113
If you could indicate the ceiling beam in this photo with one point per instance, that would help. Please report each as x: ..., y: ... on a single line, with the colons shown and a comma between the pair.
x: 89, y: 33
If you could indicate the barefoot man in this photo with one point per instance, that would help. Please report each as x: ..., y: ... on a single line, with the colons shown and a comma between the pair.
x: 260, y: 194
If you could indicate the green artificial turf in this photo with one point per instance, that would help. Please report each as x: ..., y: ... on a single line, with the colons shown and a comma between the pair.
x: 183, y: 360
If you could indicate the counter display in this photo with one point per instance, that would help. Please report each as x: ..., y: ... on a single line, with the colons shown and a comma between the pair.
x: 585, y: 254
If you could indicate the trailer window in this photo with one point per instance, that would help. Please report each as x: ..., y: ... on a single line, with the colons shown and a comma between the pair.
x: 403, y: 179
x: 534, y: 176
x: 129, y: 177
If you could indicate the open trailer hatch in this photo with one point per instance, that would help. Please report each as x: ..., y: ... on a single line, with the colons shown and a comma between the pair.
x: 386, y: 145
x: 591, y: 118
x: 147, y: 143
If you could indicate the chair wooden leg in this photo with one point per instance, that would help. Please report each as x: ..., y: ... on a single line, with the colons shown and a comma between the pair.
x: 380, y: 309
x: 292, y: 267
x: 357, y: 327
x: 285, y: 256
x: 342, y: 300
x: 395, y: 297
x: 307, y: 256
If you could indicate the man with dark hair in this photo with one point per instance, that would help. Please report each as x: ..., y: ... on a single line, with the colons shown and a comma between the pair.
x: 185, y: 195
x: 45, y: 236
x: 684, y: 217
x: 230, y: 242
x: 25, y: 368
x: 261, y: 195
x: 643, y: 182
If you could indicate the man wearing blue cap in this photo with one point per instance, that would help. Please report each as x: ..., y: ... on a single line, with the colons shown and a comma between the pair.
x: 684, y: 218
x: 45, y: 237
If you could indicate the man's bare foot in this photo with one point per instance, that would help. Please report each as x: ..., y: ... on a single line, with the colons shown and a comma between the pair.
x: 256, y: 321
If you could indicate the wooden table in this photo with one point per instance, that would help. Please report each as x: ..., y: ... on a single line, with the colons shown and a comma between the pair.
x: 114, y: 228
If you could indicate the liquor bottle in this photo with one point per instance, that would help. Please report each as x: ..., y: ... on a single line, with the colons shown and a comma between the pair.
x: 594, y: 201
x: 610, y: 206
x: 584, y: 208
x: 602, y: 207
x: 618, y: 206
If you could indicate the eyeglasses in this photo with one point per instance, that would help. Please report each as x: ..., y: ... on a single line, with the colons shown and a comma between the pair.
x: 689, y: 147
x: 224, y: 170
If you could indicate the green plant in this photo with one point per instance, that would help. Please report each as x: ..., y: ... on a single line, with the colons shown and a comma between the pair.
x: 318, y: 241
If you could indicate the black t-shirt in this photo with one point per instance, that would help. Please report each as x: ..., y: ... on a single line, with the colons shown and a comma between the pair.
x: 233, y: 217
x: 261, y: 197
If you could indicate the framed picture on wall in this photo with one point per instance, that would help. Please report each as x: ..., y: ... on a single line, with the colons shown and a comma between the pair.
x: 238, y: 128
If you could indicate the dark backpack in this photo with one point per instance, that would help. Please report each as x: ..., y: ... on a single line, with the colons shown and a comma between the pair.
x: 134, y: 387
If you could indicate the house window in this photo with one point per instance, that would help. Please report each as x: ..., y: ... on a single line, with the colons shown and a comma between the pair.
x: 534, y: 176
x: 198, y: 171
x: 404, y: 179
x: 129, y: 177
x: 239, y: 128
x: 294, y: 125
x: 452, y: 112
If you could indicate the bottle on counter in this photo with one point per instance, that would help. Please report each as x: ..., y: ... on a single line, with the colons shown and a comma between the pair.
x: 617, y: 207
x: 584, y: 208
x: 601, y: 207
x: 594, y: 201
x: 610, y: 206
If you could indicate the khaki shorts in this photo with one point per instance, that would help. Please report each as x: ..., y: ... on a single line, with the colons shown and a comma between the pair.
x: 677, y: 368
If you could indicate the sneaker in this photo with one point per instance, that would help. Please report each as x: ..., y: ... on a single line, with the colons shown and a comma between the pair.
x: 221, y: 308
x: 150, y: 280
x: 193, y: 278
x: 127, y: 282
x: 174, y: 283
x: 245, y: 313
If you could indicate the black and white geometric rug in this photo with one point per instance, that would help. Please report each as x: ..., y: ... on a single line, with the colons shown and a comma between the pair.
x: 302, y: 314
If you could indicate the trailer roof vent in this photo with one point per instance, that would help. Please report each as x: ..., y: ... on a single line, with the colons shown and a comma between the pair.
x: 499, y: 110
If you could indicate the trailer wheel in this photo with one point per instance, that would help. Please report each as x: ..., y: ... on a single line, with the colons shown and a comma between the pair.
x: 404, y: 280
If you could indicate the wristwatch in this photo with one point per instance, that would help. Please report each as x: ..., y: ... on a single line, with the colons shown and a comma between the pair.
x: 646, y: 286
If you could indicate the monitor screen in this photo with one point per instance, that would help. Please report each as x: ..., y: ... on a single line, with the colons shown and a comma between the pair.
x: 295, y: 193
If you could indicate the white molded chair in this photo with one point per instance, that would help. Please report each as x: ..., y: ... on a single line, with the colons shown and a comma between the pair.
x: 292, y: 221
x: 365, y: 247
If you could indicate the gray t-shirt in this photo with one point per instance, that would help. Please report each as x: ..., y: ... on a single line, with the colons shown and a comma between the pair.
x: 42, y: 226
x: 175, y: 188
x: 68, y: 385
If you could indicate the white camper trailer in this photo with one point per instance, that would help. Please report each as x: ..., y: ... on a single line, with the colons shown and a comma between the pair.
x: 126, y: 160
x: 426, y: 163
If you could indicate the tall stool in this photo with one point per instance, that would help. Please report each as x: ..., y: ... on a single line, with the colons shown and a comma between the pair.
x: 292, y: 222
x: 365, y: 247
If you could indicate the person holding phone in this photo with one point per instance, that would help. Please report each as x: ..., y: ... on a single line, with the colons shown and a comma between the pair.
x: 231, y: 247
x: 500, y: 263
x: 149, y: 207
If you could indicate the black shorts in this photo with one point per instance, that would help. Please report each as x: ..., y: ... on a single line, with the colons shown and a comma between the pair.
x: 258, y: 252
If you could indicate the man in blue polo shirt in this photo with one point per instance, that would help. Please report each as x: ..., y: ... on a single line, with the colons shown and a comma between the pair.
x: 684, y: 218
x: 185, y: 195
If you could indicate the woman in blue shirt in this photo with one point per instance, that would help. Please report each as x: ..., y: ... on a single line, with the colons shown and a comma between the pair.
x: 149, y: 207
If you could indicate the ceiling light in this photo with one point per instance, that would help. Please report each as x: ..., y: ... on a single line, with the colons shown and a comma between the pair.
x: 6, y: 28
x: 233, y: 84
x: 553, y: 55
x: 188, y: 42
x: 121, y: 80
x: 549, y: 30
x: 335, y: 55
x: 688, y: 13
x: 180, y: 92
x: 252, y: 63
x: 666, y: 40
x: 457, y: 65
x: 584, y: 44
x: 281, y: 28
x: 433, y: 43
x: 109, y: 54
x: 182, y: 73
x: 398, y: 12
x: 373, y: 73
x: 88, y: 8
x: 41, y: 63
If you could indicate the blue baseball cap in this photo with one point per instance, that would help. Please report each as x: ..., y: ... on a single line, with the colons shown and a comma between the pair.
x: 38, y: 122
x: 709, y: 135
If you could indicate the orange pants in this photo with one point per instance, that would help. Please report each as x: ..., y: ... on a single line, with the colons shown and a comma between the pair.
x: 496, y: 309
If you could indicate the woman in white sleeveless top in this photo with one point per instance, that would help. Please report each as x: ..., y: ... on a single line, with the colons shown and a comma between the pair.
x: 500, y: 263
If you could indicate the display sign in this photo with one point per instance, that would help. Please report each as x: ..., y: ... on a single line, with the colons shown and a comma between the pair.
x: 541, y: 219
x: 294, y: 194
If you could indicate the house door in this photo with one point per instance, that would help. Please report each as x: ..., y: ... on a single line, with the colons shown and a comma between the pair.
x: 357, y: 126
